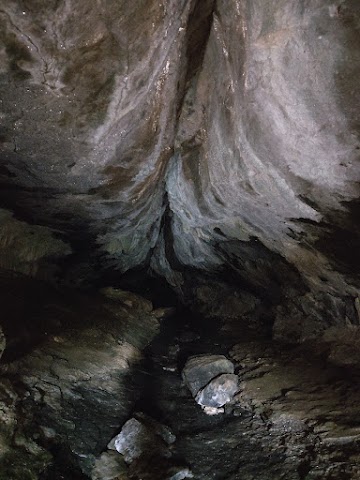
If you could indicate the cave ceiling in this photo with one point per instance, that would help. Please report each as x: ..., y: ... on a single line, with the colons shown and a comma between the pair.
x: 172, y: 133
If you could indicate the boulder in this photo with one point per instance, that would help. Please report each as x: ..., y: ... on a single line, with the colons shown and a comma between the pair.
x: 219, y: 391
x: 142, y: 437
x: 199, y: 370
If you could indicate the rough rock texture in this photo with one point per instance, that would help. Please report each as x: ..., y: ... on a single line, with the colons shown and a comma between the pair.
x: 146, y: 446
x: 306, y: 404
x: 194, y: 133
x: 198, y: 371
x: 89, y: 100
x: 74, y: 383
x: 267, y: 143
x: 295, y: 416
x: 29, y: 249
x: 219, y: 391
x: 109, y: 466
x: 213, y: 143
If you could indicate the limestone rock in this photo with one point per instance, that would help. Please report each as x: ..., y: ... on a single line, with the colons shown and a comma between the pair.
x: 198, y: 371
x: 219, y: 391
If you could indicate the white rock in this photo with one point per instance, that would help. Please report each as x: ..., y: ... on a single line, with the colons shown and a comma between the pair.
x: 219, y: 391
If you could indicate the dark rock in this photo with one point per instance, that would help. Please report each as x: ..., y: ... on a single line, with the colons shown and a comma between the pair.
x: 199, y: 370
x: 159, y: 429
x: 2, y: 342
x: 80, y: 375
x: 29, y: 249
x: 154, y: 468
x: 216, y: 144
x: 129, y: 299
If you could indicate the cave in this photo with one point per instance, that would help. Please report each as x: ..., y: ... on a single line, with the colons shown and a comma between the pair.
x: 179, y: 239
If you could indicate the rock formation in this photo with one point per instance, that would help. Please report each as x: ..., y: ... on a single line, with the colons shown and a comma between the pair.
x: 201, y: 156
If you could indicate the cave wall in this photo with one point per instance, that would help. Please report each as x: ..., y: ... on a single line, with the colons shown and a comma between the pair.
x: 188, y: 134
x: 267, y: 142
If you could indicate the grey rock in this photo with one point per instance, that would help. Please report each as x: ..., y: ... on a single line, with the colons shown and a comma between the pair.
x: 199, y: 370
x: 141, y: 437
x: 96, y: 139
x: 219, y: 391
x: 132, y: 440
x: 109, y: 466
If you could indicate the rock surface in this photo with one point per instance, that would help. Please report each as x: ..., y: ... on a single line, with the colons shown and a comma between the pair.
x: 135, y: 440
x: 145, y: 446
x: 218, y: 391
x: 295, y: 416
x: 109, y: 466
x: 185, y: 134
x: 215, y: 144
x: 77, y: 383
x: 199, y: 371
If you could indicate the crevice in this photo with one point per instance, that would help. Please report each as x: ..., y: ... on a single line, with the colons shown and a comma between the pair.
x: 197, y: 35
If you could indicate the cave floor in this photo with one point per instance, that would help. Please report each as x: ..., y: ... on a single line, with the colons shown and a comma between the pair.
x: 295, y: 417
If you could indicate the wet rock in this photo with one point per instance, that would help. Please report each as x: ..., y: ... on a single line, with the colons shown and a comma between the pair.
x: 109, y: 466
x: 218, y: 392
x: 109, y: 147
x: 198, y: 371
